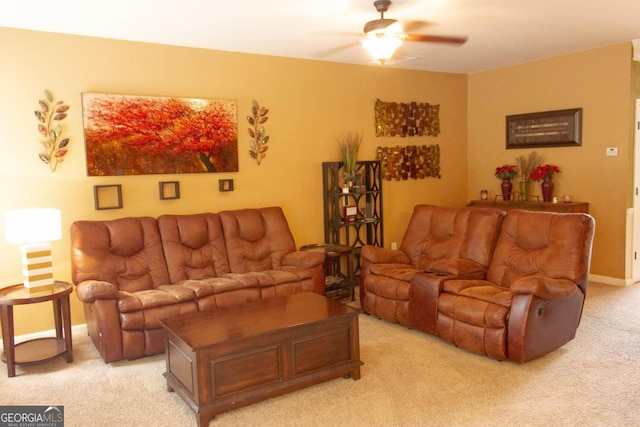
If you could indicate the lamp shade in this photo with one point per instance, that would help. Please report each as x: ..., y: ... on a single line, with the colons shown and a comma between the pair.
x: 32, y: 225
x: 33, y: 229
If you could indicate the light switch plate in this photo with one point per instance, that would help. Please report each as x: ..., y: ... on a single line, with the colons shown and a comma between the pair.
x: 612, y: 151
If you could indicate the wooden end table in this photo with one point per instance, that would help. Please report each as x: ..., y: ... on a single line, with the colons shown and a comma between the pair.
x: 333, y: 252
x: 39, y: 349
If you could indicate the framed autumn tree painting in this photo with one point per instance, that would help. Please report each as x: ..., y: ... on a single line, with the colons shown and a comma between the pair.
x: 131, y: 135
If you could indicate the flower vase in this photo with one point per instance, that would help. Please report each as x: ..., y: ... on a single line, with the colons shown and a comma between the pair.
x: 506, y: 186
x: 524, y: 190
x: 547, y: 189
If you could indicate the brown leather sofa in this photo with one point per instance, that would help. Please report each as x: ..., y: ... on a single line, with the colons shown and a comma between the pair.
x: 130, y: 273
x: 528, y: 304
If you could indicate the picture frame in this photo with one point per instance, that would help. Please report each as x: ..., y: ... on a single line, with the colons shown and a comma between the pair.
x: 169, y: 190
x: 225, y: 185
x: 107, y: 196
x: 145, y: 135
x: 558, y: 128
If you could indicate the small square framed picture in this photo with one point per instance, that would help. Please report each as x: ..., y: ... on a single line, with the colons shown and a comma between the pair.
x: 107, y: 196
x: 169, y: 190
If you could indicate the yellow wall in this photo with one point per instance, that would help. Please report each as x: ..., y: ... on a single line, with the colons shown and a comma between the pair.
x: 311, y: 103
x: 599, y: 82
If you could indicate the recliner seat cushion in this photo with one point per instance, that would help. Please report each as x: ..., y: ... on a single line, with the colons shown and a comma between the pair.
x: 394, y: 271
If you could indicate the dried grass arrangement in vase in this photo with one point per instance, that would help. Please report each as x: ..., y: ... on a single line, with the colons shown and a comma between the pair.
x: 526, y: 165
x: 348, y: 146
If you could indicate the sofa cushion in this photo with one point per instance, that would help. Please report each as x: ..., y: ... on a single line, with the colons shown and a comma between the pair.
x: 269, y: 277
x: 256, y: 239
x: 193, y: 246
x: 132, y: 301
x: 126, y: 252
x: 479, y: 289
x: 211, y: 286
x: 436, y: 233
x: 542, y: 244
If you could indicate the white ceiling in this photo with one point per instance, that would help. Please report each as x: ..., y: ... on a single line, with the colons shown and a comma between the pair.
x: 500, y: 32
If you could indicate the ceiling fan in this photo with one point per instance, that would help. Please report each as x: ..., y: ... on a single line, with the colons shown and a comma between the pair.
x: 383, y: 36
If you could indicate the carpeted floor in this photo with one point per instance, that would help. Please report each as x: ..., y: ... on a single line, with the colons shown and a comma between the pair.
x: 408, y: 379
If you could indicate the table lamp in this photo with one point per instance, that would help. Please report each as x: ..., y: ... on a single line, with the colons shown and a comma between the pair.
x: 33, y: 229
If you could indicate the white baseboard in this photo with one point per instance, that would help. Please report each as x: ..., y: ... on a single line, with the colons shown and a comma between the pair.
x: 75, y: 329
x: 606, y: 280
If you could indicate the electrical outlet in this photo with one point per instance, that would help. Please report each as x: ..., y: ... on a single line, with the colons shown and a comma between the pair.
x: 612, y: 151
x: 394, y: 246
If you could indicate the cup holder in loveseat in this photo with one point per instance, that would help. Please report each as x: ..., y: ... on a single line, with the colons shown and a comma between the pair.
x: 435, y: 273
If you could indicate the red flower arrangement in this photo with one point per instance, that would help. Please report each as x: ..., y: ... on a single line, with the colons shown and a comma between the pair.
x: 541, y: 172
x: 506, y: 171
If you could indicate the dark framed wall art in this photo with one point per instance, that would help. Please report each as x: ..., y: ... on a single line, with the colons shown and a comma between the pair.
x: 558, y: 128
x: 107, y: 196
x: 169, y: 190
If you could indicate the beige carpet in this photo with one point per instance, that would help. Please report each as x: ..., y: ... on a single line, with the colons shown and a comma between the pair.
x: 409, y: 378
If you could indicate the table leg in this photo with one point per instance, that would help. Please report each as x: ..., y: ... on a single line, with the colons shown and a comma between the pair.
x: 6, y: 318
x: 204, y: 418
x: 66, y: 324
x: 57, y: 318
x: 352, y: 285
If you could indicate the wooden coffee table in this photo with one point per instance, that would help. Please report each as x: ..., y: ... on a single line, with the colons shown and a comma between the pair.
x: 228, y: 358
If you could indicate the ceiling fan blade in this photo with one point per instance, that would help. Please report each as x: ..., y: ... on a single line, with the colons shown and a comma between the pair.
x: 378, y: 25
x: 435, y: 39
x: 411, y: 26
x: 332, y: 51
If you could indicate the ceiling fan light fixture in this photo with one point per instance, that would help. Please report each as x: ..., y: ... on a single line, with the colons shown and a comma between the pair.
x: 382, y: 45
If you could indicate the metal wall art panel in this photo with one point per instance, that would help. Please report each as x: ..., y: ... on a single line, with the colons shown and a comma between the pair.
x: 414, y: 161
x: 407, y: 119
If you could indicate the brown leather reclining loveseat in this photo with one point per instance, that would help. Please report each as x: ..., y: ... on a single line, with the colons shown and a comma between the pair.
x: 130, y: 273
x: 528, y: 292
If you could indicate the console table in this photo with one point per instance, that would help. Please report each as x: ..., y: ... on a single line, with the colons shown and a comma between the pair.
x: 532, y: 205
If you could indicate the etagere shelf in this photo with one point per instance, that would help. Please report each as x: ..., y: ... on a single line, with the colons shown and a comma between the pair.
x: 366, y: 227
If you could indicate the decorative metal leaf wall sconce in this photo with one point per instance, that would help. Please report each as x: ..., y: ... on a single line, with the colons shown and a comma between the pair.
x: 49, y: 117
x: 259, y: 142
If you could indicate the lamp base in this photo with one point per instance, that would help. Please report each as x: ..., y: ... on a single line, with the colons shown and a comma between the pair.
x: 40, y: 288
x: 37, y: 266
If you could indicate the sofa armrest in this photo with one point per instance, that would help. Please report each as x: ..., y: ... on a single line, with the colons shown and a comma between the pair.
x: 303, y: 259
x: 378, y: 255
x: 91, y: 290
x: 544, y: 287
